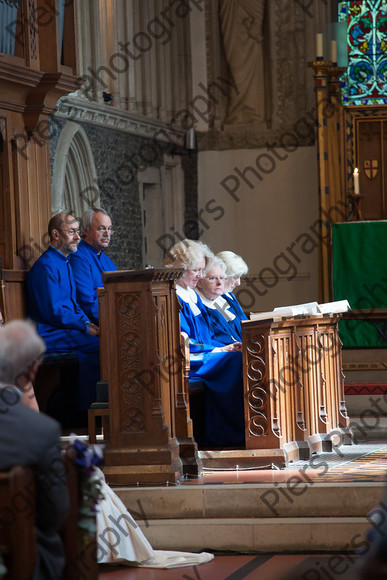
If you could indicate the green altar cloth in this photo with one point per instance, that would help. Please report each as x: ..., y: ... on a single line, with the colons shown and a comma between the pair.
x: 359, y: 273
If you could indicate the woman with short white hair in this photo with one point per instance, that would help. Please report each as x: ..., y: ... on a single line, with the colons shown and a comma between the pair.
x: 217, y: 364
x: 236, y: 267
x: 225, y: 324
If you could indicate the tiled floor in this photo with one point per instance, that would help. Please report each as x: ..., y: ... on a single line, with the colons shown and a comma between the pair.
x: 359, y: 462
x: 248, y: 567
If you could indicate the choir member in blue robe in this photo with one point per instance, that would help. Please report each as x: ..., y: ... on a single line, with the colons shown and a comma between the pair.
x: 89, y: 261
x: 218, y: 365
x: 226, y: 326
x: 52, y: 304
x: 236, y: 267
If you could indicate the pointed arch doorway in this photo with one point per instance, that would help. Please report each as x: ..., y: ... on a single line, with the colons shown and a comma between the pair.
x: 74, y: 181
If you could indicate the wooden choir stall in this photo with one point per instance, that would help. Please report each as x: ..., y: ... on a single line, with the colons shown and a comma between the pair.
x: 142, y: 358
x: 293, y: 385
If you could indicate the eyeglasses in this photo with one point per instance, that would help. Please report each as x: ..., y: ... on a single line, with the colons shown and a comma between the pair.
x: 103, y: 230
x: 215, y: 278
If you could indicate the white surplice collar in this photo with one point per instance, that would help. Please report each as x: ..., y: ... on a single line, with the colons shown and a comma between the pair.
x: 206, y: 301
x: 189, y: 296
x: 223, y: 307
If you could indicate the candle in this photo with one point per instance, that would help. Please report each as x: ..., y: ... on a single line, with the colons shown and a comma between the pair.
x: 356, y: 181
x: 334, y: 51
x: 319, y: 45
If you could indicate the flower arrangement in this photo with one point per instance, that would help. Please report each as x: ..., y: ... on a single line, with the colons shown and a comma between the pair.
x: 87, y: 459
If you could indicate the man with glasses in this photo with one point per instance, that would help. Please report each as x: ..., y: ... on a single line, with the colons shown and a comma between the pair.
x: 52, y: 304
x: 90, y: 261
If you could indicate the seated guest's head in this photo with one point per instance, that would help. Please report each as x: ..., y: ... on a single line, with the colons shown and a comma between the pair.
x: 97, y: 228
x: 235, y: 268
x: 193, y: 257
x: 20, y: 351
x: 214, y: 275
x: 63, y: 230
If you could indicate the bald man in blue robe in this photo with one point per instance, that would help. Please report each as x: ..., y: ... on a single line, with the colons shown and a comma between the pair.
x: 90, y: 260
x: 52, y: 304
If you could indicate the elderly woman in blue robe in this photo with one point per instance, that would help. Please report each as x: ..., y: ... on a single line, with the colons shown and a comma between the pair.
x: 226, y: 326
x: 236, y: 267
x: 217, y: 364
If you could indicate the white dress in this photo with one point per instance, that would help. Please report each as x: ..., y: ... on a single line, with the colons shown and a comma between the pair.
x: 120, y: 540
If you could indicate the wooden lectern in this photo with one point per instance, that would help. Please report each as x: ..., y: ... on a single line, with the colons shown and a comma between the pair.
x: 294, y: 386
x: 142, y: 359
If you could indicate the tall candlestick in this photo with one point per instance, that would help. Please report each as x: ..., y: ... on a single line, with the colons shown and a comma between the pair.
x: 356, y: 181
x: 319, y: 46
x: 334, y: 51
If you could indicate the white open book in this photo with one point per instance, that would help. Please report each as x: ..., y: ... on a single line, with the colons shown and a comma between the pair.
x: 307, y: 309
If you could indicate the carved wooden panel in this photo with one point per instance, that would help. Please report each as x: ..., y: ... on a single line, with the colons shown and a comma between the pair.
x: 258, y: 395
x: 293, y: 384
x: 130, y: 346
x: 306, y: 380
x: 32, y: 23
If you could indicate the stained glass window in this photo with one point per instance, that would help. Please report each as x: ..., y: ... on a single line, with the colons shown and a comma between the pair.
x: 366, y: 80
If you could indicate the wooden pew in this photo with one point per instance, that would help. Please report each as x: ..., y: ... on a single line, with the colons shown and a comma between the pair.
x: 17, y: 526
x: 79, y: 546
x: 17, y: 522
x: 12, y: 294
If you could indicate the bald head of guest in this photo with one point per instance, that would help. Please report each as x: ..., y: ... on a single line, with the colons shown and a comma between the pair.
x: 97, y: 228
x: 63, y: 230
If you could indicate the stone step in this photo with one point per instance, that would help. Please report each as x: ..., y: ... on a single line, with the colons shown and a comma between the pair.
x: 295, y: 497
x: 297, y: 509
x: 257, y: 534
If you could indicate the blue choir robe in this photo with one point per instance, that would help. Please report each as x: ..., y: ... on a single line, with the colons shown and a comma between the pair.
x: 52, y: 304
x: 235, y: 306
x: 220, y: 371
x: 226, y: 326
x: 88, y: 264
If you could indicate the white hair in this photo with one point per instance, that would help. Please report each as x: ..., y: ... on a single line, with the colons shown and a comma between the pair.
x: 235, y: 265
x: 213, y: 262
x: 88, y: 215
x: 20, y: 346
x: 187, y: 254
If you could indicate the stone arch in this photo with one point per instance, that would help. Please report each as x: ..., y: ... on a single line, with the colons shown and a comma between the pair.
x: 74, y: 180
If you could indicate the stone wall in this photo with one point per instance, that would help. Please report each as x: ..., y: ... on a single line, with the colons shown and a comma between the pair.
x: 119, y: 159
